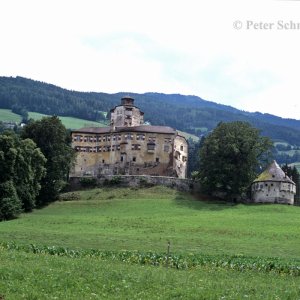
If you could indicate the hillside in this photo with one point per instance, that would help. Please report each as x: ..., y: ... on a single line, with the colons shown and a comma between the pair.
x: 186, y: 113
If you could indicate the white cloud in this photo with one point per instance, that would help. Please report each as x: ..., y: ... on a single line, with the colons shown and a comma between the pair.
x: 188, y: 47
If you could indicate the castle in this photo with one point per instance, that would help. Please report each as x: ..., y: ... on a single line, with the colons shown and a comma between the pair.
x: 273, y: 186
x: 128, y: 147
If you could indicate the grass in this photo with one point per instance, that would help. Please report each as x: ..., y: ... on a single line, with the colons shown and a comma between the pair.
x: 8, y: 115
x: 189, y: 135
x: 146, y: 219
x: 69, y: 122
x: 35, y: 276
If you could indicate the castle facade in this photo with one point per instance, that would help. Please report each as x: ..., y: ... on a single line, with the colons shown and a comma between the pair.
x: 128, y: 147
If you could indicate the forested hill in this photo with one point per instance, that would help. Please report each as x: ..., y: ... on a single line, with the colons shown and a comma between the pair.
x: 187, y: 113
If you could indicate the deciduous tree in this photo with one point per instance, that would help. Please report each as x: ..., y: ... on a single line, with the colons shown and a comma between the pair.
x: 229, y: 158
x: 53, y: 139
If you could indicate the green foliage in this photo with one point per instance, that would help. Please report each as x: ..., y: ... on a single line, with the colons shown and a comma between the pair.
x: 28, y: 172
x: 171, y: 260
x: 229, y: 158
x: 22, y: 164
x: 293, y: 173
x: 10, y: 204
x: 88, y: 182
x: 54, y: 141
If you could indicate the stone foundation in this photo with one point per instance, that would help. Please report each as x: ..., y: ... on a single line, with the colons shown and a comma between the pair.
x: 184, y: 185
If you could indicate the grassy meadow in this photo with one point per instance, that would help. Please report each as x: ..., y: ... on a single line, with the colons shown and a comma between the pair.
x: 118, y: 219
x: 146, y: 219
x: 8, y: 115
x: 69, y: 122
x: 31, y: 276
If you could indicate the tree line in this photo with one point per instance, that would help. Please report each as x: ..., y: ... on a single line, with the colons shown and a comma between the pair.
x: 186, y: 113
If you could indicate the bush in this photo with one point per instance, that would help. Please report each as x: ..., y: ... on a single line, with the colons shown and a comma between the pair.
x: 69, y: 196
x: 88, y: 182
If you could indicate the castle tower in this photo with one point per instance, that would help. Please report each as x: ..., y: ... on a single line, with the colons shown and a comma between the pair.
x: 273, y: 186
x: 126, y: 114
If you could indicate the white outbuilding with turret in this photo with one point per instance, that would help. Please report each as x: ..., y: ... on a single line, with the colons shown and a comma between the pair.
x: 273, y: 186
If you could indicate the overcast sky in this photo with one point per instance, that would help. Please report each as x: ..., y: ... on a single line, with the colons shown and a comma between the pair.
x: 240, y: 53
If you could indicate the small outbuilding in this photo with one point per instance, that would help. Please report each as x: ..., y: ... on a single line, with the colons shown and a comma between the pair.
x: 273, y: 186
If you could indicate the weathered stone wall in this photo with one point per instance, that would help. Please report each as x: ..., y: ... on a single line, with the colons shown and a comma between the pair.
x: 273, y: 192
x: 180, y: 156
x: 129, y: 153
x: 184, y: 185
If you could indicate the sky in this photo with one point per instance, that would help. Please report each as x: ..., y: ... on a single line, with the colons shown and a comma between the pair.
x: 239, y: 53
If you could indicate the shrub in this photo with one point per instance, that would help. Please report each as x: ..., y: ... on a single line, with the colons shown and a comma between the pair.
x: 88, y: 182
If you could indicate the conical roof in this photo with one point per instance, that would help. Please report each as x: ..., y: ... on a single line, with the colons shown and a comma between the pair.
x: 273, y: 173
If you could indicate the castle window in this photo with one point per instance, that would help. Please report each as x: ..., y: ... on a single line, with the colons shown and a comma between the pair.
x: 135, y: 147
x: 103, y: 161
x: 151, y: 146
x: 181, y: 148
x: 77, y: 138
x: 183, y: 158
x: 140, y: 137
x: 151, y: 139
x: 134, y: 158
x: 157, y: 159
x: 99, y: 139
x: 166, y: 148
x: 122, y: 158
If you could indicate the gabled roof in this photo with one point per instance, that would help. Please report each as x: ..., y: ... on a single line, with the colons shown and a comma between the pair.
x: 273, y: 173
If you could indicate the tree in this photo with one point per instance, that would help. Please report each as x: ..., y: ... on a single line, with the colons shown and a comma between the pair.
x: 28, y: 171
x: 229, y: 158
x: 21, y: 169
x: 293, y: 173
x: 54, y: 140
x: 10, y: 204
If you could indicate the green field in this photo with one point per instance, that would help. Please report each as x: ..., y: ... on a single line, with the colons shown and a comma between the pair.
x: 146, y: 219
x: 31, y: 276
x: 122, y: 219
x: 116, y: 219
x: 188, y: 136
x: 8, y: 115
x: 69, y: 122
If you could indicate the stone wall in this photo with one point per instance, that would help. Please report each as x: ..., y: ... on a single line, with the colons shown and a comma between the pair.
x: 184, y: 185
